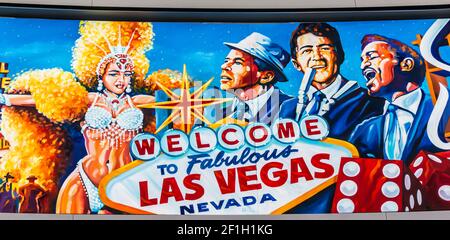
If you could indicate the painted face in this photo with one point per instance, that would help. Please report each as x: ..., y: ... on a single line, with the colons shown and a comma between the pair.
x: 115, y: 80
x: 238, y: 71
x: 317, y: 52
x: 378, y: 67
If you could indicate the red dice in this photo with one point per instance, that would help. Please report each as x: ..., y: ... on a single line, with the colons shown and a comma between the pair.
x: 433, y: 171
x: 414, y: 194
x: 376, y: 185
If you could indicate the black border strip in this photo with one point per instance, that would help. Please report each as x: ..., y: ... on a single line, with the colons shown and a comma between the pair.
x: 223, y: 15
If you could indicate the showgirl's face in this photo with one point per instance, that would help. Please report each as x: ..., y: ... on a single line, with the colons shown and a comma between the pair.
x: 115, y: 80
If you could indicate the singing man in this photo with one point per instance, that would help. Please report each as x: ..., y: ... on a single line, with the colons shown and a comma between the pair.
x: 395, y: 72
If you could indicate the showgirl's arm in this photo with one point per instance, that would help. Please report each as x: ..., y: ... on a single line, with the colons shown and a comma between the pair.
x: 143, y: 99
x: 92, y: 96
x: 17, y: 100
x: 27, y: 100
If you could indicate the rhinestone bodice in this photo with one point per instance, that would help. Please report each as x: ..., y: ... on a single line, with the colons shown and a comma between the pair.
x: 104, y: 126
x: 100, y: 118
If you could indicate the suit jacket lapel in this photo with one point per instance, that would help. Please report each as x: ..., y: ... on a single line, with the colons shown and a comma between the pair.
x: 343, y: 97
x: 353, y: 88
x: 417, y: 130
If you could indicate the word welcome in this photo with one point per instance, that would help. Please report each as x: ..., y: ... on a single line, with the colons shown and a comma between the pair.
x: 229, y: 137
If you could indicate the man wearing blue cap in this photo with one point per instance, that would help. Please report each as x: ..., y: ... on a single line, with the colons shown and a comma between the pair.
x: 251, y: 69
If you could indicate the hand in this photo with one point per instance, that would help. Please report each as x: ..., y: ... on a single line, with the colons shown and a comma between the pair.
x: 104, y: 212
x: 4, y: 100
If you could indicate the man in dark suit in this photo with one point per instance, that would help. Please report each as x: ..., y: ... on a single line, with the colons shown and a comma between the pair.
x: 395, y: 72
x: 250, y: 71
x: 341, y: 102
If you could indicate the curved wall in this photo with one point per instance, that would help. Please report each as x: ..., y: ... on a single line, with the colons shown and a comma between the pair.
x: 262, y: 4
x: 267, y: 4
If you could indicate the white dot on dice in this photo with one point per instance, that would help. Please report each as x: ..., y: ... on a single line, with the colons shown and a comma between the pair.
x: 391, y: 170
x: 411, y: 201
x: 389, y: 206
x: 348, y: 188
x: 419, y: 197
x: 418, y: 172
x: 351, y: 169
x: 418, y: 161
x: 345, y: 205
x: 407, y: 182
x: 444, y: 192
x: 390, y: 189
x: 434, y: 158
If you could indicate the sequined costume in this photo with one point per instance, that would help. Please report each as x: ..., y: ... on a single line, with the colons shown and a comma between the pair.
x: 91, y: 191
x: 103, y: 126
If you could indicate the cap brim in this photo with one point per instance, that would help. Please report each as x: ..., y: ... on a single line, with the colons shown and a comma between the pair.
x: 236, y: 46
x: 282, y: 78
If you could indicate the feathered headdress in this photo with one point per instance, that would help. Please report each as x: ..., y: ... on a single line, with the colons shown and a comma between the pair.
x: 121, y: 43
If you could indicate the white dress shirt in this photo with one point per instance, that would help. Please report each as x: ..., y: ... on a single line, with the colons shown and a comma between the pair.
x: 254, y: 104
x: 408, y: 105
x: 329, y: 92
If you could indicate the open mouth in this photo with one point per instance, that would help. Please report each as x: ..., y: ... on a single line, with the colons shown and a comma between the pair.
x: 319, y: 66
x: 369, y: 75
x: 224, y: 78
x: 119, y: 85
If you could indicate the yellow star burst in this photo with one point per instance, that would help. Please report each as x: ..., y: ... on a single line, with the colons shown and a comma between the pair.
x: 187, y: 106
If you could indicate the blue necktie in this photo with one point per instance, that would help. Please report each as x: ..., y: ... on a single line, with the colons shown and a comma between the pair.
x: 318, y: 96
x: 391, y: 136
